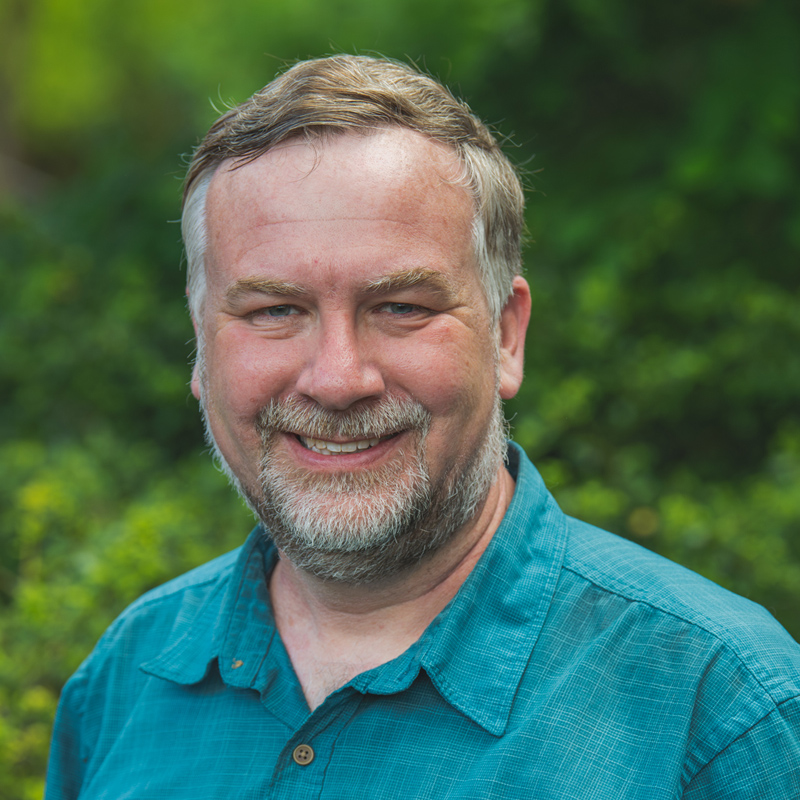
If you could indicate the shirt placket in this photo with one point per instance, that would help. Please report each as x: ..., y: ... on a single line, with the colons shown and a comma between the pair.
x: 303, y: 762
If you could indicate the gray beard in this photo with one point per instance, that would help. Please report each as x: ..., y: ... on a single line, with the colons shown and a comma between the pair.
x: 366, y: 526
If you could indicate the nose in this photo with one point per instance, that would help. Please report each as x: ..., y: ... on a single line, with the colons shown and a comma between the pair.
x: 339, y: 372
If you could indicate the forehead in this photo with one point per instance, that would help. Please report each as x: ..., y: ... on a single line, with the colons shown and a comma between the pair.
x: 392, y: 182
x: 387, y: 157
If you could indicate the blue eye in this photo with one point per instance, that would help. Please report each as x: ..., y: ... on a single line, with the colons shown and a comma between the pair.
x: 279, y: 311
x: 266, y: 314
x: 401, y: 308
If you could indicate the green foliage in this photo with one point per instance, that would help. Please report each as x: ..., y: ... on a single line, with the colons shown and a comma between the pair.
x: 663, y: 375
x: 663, y: 379
x: 87, y: 527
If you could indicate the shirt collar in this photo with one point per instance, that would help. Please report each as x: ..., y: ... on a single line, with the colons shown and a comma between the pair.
x: 481, y: 646
x: 234, y: 624
x: 475, y: 651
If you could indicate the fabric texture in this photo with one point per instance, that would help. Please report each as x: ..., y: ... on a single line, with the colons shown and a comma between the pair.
x: 572, y: 664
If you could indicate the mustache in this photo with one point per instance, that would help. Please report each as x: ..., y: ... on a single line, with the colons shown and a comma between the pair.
x: 372, y: 420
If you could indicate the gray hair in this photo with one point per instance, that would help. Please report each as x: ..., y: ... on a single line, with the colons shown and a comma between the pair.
x: 342, y: 94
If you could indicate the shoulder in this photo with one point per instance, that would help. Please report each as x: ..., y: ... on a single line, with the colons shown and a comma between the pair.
x: 160, y: 617
x: 180, y: 595
x: 671, y: 657
x: 680, y: 600
x: 105, y: 690
x: 196, y: 582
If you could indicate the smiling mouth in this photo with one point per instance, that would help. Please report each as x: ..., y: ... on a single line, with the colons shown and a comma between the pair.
x: 334, y: 448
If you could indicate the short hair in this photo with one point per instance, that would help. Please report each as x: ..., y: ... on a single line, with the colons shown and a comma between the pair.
x: 344, y: 94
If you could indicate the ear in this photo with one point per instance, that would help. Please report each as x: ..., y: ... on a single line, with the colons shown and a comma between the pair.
x: 195, y: 384
x: 513, y: 325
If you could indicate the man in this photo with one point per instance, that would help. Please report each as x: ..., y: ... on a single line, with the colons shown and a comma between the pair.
x: 414, y: 617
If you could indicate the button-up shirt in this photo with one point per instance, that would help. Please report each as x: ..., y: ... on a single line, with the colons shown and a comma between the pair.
x: 571, y: 664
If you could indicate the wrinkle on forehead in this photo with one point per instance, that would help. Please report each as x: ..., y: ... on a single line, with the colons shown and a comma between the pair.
x: 314, y: 146
x: 390, y: 155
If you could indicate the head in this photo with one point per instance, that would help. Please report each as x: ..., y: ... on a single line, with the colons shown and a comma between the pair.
x: 350, y: 94
x: 353, y: 242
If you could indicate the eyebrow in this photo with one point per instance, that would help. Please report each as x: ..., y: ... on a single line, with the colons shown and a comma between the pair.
x: 407, y: 278
x: 402, y: 279
x: 247, y: 286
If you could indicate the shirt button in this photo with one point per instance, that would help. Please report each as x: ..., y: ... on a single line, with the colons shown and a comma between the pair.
x: 303, y: 754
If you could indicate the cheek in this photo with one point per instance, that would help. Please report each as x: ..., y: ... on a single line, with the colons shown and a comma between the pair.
x: 451, y: 375
x: 243, y: 375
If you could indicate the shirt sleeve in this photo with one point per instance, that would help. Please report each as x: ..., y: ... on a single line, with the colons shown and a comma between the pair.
x: 65, y: 769
x: 762, y: 763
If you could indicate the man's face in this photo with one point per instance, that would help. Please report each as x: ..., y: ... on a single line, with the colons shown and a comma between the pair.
x: 350, y: 369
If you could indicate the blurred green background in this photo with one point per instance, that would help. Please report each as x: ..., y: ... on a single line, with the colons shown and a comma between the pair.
x: 660, y: 146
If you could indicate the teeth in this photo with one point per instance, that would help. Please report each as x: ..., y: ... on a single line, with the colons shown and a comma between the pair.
x: 329, y: 448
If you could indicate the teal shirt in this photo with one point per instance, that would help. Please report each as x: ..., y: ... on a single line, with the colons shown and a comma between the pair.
x: 571, y: 665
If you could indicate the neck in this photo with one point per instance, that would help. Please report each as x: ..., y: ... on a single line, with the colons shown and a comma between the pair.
x: 339, y: 630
